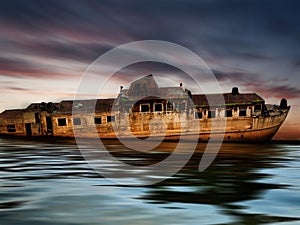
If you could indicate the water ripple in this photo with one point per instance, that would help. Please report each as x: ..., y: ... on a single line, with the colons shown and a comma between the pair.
x: 49, y: 182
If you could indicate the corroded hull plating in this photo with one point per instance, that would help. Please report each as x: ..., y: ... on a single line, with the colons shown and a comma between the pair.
x: 260, y: 129
x: 145, y: 110
x: 248, y: 129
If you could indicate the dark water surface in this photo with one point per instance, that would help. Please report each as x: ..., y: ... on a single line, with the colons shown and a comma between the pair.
x: 49, y: 182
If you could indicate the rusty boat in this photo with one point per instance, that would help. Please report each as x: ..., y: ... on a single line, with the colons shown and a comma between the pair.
x: 145, y: 109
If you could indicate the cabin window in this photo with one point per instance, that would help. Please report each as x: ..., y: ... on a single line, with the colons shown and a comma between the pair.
x: 175, y: 107
x: 145, y: 108
x: 158, y: 107
x: 110, y: 119
x: 37, y: 118
x: 62, y: 122
x: 77, y: 121
x: 169, y: 107
x: 211, y: 114
x: 97, y: 120
x: 257, y: 108
x: 182, y: 106
x: 198, y: 115
x: 243, y: 112
x: 228, y: 113
x: 11, y: 128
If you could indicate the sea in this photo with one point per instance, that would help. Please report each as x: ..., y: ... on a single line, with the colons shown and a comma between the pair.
x: 49, y: 181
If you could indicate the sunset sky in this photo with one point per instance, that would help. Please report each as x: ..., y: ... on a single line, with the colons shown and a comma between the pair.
x: 46, y: 46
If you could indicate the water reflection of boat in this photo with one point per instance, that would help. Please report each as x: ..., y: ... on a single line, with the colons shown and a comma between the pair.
x: 234, y: 177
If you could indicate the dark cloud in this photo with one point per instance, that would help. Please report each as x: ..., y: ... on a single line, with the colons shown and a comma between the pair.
x: 11, y: 88
x: 227, y: 33
x: 296, y: 63
x: 81, y: 52
x: 278, y: 88
x: 233, y: 76
x: 81, y: 30
x: 27, y: 69
x: 13, y: 64
x: 280, y: 91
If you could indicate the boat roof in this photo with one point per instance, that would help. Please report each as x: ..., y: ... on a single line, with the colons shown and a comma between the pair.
x: 229, y: 99
x: 145, y: 87
x: 12, y: 114
x: 97, y: 105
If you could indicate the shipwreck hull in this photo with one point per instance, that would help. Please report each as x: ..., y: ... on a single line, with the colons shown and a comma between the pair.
x: 258, y: 130
x: 247, y: 136
x: 250, y: 130
x: 146, y: 110
x: 254, y: 136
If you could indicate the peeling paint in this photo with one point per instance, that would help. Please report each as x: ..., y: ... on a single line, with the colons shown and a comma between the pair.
x: 245, y: 117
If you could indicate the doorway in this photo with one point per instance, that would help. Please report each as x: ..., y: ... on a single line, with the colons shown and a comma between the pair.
x: 49, y: 125
x: 28, y: 129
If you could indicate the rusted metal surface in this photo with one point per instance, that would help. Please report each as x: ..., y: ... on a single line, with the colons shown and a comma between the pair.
x: 142, y: 111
